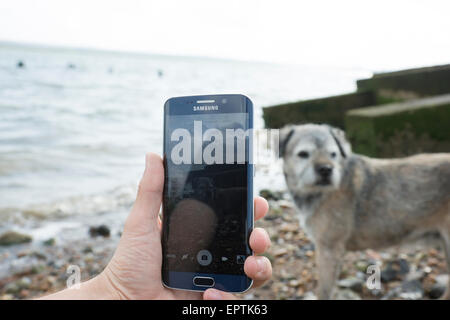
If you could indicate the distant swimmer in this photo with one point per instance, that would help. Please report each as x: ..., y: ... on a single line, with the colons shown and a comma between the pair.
x: 20, y: 64
x: 160, y: 73
x: 71, y: 66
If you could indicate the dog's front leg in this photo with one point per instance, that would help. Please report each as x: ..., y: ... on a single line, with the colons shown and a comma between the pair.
x: 328, y: 262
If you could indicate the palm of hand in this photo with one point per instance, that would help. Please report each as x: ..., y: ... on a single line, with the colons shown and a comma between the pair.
x: 134, y: 272
x: 136, y: 268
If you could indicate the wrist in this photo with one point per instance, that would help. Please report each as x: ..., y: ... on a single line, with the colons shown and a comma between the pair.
x: 102, y: 288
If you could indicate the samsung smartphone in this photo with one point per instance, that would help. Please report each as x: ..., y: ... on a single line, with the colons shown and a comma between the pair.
x: 208, y: 192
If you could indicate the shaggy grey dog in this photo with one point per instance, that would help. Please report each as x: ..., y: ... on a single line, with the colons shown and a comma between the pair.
x: 347, y: 201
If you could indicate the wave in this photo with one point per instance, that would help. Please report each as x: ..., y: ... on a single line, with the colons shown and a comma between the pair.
x: 85, y: 205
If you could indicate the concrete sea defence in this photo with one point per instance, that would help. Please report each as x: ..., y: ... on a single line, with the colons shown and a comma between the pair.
x: 398, y: 129
x: 391, y: 114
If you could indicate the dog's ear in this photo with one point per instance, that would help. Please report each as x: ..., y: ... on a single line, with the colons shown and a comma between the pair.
x: 344, y: 146
x: 284, y: 135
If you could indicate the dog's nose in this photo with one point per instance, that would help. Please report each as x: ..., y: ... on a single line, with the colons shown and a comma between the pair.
x: 324, y: 170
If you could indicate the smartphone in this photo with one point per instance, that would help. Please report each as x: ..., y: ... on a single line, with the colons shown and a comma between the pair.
x: 208, y: 192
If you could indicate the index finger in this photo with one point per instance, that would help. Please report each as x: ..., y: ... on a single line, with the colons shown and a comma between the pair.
x: 261, y: 207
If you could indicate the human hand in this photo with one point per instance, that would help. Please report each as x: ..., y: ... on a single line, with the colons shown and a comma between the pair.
x: 135, y: 269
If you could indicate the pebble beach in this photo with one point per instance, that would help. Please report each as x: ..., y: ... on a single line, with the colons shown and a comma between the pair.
x: 407, y: 273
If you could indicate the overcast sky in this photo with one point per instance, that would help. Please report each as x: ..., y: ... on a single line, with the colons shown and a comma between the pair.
x: 376, y: 35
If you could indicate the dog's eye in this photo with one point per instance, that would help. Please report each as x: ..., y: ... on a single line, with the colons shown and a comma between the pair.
x: 333, y: 154
x: 303, y: 154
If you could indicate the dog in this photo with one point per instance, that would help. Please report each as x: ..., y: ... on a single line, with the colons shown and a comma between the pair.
x: 347, y: 202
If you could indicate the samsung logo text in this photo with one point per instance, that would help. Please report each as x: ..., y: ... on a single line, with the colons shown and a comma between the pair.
x: 206, y: 108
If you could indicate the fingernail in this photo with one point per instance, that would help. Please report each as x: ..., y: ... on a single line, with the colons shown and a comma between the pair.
x: 147, y: 161
x: 214, y: 294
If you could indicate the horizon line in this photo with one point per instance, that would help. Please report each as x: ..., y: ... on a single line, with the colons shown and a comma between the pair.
x: 61, y: 47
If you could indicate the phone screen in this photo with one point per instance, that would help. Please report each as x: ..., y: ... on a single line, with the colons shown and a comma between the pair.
x: 206, y: 196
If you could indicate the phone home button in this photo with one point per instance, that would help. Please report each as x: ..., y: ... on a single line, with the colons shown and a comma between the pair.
x: 203, y: 281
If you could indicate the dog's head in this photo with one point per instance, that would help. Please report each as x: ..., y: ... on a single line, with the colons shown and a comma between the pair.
x: 314, y: 156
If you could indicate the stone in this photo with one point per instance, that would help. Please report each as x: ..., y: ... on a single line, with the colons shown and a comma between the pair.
x: 271, y: 195
x: 289, y: 227
x: 294, y: 283
x: 346, y: 294
x: 38, y: 255
x: 408, y: 290
x: 438, y: 289
x: 24, y: 283
x: 362, y: 265
x: 352, y: 283
x: 49, y: 242
x: 12, y: 237
x: 15, y: 287
x: 11, y: 288
x: 101, y: 230
x: 411, y: 290
x: 309, y: 296
x: 24, y: 293
x: 87, y: 249
x: 394, y: 270
x: 415, y: 275
x: 284, y: 204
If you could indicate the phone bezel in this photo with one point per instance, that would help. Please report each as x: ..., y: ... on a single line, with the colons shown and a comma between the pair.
x: 224, y: 282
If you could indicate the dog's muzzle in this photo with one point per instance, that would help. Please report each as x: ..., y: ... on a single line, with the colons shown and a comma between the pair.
x: 324, y: 172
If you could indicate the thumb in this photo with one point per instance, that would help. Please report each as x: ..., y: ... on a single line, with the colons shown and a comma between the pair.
x: 144, y: 214
x: 214, y: 294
